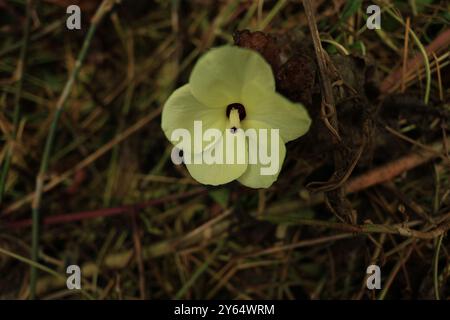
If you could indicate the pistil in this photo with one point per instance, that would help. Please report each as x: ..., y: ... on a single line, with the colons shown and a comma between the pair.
x: 235, y: 113
x: 235, y: 122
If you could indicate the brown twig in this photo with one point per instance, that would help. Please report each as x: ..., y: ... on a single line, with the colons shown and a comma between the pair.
x: 369, y: 228
x: 328, y: 107
x: 440, y: 43
x: 405, y: 54
x: 335, y: 196
x: 392, y: 169
x: 371, y: 178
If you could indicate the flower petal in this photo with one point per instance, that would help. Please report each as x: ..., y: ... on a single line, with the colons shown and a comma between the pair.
x: 225, y: 169
x: 257, y: 175
x: 223, y: 74
x: 278, y: 112
x: 182, y: 109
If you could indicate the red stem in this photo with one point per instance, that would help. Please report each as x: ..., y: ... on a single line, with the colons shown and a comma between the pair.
x: 105, y: 212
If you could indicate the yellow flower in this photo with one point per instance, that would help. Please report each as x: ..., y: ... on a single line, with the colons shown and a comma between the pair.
x: 233, y: 89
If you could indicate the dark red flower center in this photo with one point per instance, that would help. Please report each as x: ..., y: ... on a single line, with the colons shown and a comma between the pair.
x: 239, y: 107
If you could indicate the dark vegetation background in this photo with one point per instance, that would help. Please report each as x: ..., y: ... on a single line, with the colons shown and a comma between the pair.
x: 140, y: 227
